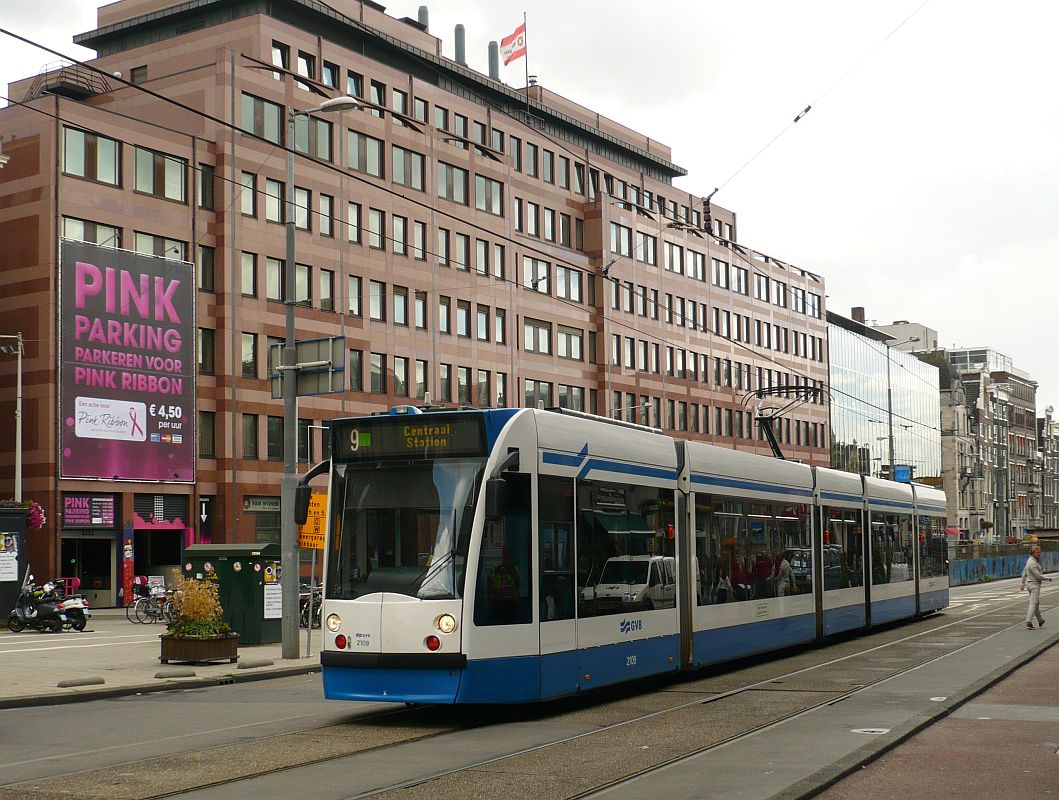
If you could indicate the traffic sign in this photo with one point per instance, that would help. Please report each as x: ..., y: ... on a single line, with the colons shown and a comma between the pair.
x: 311, y: 534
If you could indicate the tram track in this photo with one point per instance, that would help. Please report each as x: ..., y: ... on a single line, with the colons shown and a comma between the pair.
x: 368, y: 737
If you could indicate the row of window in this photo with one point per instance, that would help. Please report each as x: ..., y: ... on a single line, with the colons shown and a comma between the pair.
x: 529, y: 158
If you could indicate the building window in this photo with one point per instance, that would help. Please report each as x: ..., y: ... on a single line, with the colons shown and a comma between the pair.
x: 548, y: 167
x: 280, y: 58
x: 84, y: 231
x: 161, y: 175
x: 248, y: 275
x: 207, y: 433
x: 739, y: 280
x: 462, y: 257
x: 354, y: 286
x: 421, y: 310
x: 463, y: 385
x: 275, y: 279
x: 262, y: 118
x: 354, y: 84
x: 306, y: 68
x: 463, y: 318
x: 353, y: 222
x: 377, y: 301
x: 514, y: 148
x: 500, y: 326
x: 421, y: 385
x: 419, y: 240
x: 399, y: 239
x: 274, y: 438
x: 400, y: 376
x: 445, y: 382
x: 376, y: 228
x: 302, y: 204
x: 481, y: 329
x: 537, y: 393
x: 488, y: 195
x: 327, y: 290
x: 274, y: 201
x: 498, y: 261
x: 356, y: 370
x: 444, y: 314
x: 312, y: 136
x: 206, y: 176
x: 378, y: 373
x: 365, y: 154
x: 249, y: 355
x: 568, y: 283
x: 205, y: 354
x: 569, y: 343
x: 326, y: 215
x: 400, y: 305
x: 533, y: 214
x: 250, y: 436
x: 329, y: 75
x: 531, y: 159
x: 646, y: 248
x: 535, y: 274
x: 537, y: 336
x: 248, y: 195
x: 90, y: 156
x: 572, y: 397
x: 149, y: 245
x: 205, y: 265
x: 303, y: 294
x: 378, y: 97
x: 452, y: 183
x: 482, y: 390
x: 407, y: 168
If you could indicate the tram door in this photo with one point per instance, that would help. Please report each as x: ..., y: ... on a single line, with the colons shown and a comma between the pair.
x: 558, y: 585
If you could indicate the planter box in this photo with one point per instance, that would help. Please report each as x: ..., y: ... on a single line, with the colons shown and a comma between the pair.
x: 200, y: 649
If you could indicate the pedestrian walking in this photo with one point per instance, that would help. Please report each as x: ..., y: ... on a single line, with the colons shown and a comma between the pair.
x: 1032, y: 575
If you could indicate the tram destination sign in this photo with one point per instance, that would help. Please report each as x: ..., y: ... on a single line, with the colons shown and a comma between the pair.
x: 415, y: 436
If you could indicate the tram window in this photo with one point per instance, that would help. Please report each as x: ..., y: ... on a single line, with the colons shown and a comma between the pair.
x: 933, y: 549
x: 402, y: 528
x: 891, y: 548
x: 624, y: 535
x: 741, y: 548
x: 504, y: 587
x: 843, y: 547
x: 555, y: 511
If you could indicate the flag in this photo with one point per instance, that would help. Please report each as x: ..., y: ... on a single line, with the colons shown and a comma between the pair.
x: 514, y: 46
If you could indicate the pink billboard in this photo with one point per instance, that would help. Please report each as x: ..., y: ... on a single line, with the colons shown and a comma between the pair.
x: 127, y: 365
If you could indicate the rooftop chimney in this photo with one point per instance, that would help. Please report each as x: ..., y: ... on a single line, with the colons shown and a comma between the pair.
x: 858, y: 314
x: 494, y: 61
x: 424, y: 18
x: 461, y: 45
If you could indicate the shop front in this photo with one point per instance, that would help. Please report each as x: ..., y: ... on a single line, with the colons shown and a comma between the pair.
x: 265, y: 511
x: 161, y: 530
x: 90, y: 525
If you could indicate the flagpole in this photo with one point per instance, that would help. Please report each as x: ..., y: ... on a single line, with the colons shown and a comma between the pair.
x: 526, y: 57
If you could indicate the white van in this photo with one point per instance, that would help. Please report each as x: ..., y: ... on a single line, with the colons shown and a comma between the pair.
x: 638, y: 582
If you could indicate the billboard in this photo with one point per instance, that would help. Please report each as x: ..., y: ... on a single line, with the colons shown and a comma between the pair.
x: 127, y: 365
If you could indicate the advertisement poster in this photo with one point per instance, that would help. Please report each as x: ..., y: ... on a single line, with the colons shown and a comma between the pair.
x: 8, y: 556
x: 127, y: 375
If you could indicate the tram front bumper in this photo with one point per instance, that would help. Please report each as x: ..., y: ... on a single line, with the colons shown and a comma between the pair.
x: 397, y: 678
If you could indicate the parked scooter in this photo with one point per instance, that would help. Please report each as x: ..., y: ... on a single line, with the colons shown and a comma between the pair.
x: 36, y: 609
x: 75, y: 606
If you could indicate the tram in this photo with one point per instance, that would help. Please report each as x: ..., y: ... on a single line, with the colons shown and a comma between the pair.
x: 516, y: 555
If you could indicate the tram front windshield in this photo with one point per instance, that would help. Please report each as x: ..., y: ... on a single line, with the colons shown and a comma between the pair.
x: 402, y: 528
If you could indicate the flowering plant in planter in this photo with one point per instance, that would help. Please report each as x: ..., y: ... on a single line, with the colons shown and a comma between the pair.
x: 35, y: 518
x: 197, y: 610
x: 198, y: 633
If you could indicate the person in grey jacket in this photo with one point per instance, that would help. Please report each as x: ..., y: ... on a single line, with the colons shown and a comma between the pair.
x: 1032, y: 575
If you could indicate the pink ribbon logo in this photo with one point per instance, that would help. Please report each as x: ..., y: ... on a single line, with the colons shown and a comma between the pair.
x: 135, y: 425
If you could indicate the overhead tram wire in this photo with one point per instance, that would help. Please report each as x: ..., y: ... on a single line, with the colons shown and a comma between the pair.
x: 517, y: 243
x: 801, y: 114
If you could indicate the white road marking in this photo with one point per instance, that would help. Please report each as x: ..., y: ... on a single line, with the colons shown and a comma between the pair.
x: 75, y: 646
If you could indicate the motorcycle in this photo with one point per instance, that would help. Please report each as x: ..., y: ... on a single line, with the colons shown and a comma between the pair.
x: 37, y: 609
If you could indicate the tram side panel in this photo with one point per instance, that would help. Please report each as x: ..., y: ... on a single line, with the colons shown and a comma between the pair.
x: 607, y: 537
x: 840, y: 509
x: 932, y: 561
x: 891, y: 562
x: 754, y: 567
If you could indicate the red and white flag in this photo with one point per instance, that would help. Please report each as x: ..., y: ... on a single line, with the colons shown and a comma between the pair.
x: 513, y: 46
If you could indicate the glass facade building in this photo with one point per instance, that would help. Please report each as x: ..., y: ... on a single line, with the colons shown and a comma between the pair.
x: 865, y: 375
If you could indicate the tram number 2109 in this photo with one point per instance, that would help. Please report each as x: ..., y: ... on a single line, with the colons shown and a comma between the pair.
x: 630, y: 661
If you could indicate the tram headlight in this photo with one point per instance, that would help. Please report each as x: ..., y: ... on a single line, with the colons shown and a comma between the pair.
x: 334, y: 622
x: 446, y: 623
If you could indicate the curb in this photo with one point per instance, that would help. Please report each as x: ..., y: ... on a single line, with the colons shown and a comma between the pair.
x: 827, y: 777
x: 246, y: 676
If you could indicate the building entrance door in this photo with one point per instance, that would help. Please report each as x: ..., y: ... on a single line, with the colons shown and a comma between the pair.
x: 94, y: 562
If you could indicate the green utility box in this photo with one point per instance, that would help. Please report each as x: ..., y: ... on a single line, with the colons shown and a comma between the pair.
x: 247, y: 578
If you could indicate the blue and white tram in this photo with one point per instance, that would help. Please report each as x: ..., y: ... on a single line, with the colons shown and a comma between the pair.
x: 513, y: 555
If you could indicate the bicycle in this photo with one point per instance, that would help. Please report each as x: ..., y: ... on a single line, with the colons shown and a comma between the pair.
x: 154, y: 608
x: 316, y: 605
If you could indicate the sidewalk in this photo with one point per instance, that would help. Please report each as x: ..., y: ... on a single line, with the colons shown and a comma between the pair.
x: 114, y: 657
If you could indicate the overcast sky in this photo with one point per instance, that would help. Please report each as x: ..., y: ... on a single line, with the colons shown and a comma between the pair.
x: 922, y: 185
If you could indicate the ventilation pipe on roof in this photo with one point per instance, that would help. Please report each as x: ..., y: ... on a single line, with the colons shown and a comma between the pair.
x: 461, y: 45
x: 424, y: 18
x: 494, y: 61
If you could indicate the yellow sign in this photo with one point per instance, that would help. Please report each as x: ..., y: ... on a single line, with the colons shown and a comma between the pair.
x: 311, y: 534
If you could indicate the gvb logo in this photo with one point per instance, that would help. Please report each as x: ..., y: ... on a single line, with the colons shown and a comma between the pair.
x: 629, y: 625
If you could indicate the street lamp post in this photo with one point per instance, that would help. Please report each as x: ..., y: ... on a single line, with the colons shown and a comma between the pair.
x: 289, y: 369
x: 16, y: 348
